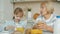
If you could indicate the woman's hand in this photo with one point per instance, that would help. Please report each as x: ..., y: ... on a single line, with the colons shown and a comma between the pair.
x: 37, y: 25
x: 44, y: 26
x: 41, y: 26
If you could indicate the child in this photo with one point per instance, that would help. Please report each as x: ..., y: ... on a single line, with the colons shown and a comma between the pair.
x: 17, y: 21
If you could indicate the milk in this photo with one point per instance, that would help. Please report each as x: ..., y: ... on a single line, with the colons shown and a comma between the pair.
x: 57, y: 25
x: 29, y: 15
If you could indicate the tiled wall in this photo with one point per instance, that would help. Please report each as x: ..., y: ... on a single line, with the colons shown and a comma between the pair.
x: 36, y: 7
x: 6, y: 8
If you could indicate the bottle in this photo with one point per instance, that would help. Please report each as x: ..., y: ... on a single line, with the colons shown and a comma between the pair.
x: 29, y: 14
x: 29, y: 18
x: 57, y: 25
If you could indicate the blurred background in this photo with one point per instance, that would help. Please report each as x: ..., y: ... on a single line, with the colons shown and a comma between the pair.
x: 7, y: 7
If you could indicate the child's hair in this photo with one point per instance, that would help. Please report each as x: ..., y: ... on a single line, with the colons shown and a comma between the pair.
x: 17, y: 10
x: 13, y: 17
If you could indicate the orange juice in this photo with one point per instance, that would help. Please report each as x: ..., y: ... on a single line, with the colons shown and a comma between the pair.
x: 36, y: 31
x: 20, y: 29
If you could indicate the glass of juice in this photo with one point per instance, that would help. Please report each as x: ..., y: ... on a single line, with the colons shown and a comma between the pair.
x: 19, y: 29
x: 36, y: 31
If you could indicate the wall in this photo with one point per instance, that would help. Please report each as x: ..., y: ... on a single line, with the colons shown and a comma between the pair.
x: 1, y: 9
x: 6, y: 9
x: 35, y: 6
x: 57, y: 8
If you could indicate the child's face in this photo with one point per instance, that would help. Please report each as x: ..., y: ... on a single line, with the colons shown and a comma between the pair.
x: 18, y: 16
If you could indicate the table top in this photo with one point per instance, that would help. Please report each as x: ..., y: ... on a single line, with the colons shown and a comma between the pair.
x: 47, y: 33
x: 4, y: 32
x: 43, y: 33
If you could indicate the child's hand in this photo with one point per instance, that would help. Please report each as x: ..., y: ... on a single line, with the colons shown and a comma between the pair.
x: 16, y: 32
x: 9, y: 27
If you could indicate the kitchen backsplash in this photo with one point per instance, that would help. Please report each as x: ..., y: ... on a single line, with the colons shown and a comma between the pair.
x: 8, y: 8
x: 35, y: 7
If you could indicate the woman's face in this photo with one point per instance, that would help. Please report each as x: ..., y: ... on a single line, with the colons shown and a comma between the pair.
x: 43, y: 10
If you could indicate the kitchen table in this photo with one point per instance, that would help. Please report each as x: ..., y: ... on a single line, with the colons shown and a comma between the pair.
x: 43, y: 33
x: 47, y: 33
x: 4, y: 32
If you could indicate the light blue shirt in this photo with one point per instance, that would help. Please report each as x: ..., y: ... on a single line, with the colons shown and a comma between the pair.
x: 12, y: 23
x: 1, y: 29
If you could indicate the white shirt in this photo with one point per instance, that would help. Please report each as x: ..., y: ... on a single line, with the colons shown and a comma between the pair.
x: 49, y: 22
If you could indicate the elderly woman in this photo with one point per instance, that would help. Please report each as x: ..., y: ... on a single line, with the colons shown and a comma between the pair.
x: 47, y: 18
